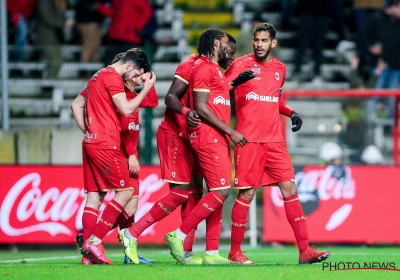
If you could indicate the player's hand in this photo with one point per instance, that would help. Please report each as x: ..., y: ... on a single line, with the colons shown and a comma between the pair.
x: 192, y: 118
x: 133, y: 165
x: 297, y: 122
x: 238, y: 139
x: 149, y: 79
x: 242, y: 78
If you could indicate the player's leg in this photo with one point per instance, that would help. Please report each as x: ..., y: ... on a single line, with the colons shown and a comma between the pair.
x: 249, y: 167
x: 195, y: 194
x: 279, y: 169
x: 215, y: 162
x: 111, y: 175
x: 176, y: 167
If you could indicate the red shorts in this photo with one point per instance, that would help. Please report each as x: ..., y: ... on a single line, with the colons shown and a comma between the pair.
x: 105, y: 170
x: 216, y: 165
x: 262, y: 164
x: 176, y: 159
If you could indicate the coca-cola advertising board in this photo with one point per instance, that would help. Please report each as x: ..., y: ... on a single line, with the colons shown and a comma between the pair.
x: 44, y: 204
x: 342, y: 204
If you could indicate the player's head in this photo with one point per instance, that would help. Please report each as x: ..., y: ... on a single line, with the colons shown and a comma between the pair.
x: 213, y: 43
x: 264, y: 40
x: 135, y: 62
x: 230, y: 57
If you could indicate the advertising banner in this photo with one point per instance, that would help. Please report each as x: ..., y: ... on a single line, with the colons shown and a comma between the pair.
x: 44, y: 204
x: 342, y: 204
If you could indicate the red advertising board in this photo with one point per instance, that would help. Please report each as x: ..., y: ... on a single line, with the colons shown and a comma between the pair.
x: 347, y: 204
x: 44, y: 204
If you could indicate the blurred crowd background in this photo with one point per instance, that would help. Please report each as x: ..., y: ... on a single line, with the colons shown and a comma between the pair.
x: 54, y: 46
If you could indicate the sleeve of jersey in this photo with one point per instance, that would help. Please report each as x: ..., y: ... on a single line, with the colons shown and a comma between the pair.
x: 128, y: 142
x: 184, y: 71
x: 114, y: 85
x: 201, y: 78
x: 83, y: 92
x: 284, y: 109
x: 151, y: 99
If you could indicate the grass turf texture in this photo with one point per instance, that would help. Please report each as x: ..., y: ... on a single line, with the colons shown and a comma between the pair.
x: 271, y: 264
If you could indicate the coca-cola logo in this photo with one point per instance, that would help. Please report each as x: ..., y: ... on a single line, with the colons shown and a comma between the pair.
x: 321, y: 186
x: 29, y: 207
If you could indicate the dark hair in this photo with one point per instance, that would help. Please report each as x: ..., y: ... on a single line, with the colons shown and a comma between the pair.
x: 231, y: 38
x: 394, y: 2
x: 265, y: 27
x: 117, y: 57
x: 137, y: 57
x: 206, y: 41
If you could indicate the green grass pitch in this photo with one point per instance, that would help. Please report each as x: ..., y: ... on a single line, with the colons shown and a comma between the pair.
x: 272, y: 263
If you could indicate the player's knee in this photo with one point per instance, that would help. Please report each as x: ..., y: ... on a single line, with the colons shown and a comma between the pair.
x: 224, y: 193
x: 247, y: 194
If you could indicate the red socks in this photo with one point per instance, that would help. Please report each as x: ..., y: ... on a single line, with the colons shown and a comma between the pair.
x: 89, y: 220
x: 163, y: 207
x: 239, y: 223
x: 213, y: 229
x: 195, y: 194
x: 206, y: 206
x: 124, y: 221
x: 297, y: 219
x: 107, y: 219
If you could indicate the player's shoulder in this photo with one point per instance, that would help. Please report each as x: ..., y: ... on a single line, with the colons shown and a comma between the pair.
x: 277, y: 63
x: 189, y: 61
x: 248, y: 58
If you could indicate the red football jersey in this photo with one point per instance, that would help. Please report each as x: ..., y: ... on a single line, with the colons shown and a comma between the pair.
x: 207, y: 76
x: 101, y: 117
x: 173, y: 122
x: 130, y: 125
x: 257, y: 100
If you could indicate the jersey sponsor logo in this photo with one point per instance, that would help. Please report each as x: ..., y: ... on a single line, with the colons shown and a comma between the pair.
x: 263, y: 98
x: 252, y: 95
x: 89, y: 136
x: 277, y: 76
x: 220, y: 100
x: 133, y: 126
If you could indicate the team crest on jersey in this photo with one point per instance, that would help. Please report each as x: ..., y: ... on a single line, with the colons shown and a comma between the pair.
x: 277, y: 76
x: 255, y: 69
x: 220, y: 73
x: 122, y: 183
x: 236, y: 181
x: 222, y: 181
x: 173, y: 174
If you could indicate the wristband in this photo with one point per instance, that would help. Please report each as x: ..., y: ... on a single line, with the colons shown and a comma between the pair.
x: 185, y: 110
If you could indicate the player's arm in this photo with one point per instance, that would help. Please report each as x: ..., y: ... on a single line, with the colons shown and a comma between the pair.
x: 208, y: 116
x: 286, y: 110
x: 130, y: 146
x: 126, y: 107
x: 175, y: 92
x: 151, y: 99
x: 77, y: 108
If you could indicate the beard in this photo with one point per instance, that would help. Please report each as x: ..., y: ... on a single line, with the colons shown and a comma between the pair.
x: 222, y: 53
x: 126, y: 74
x: 263, y: 57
